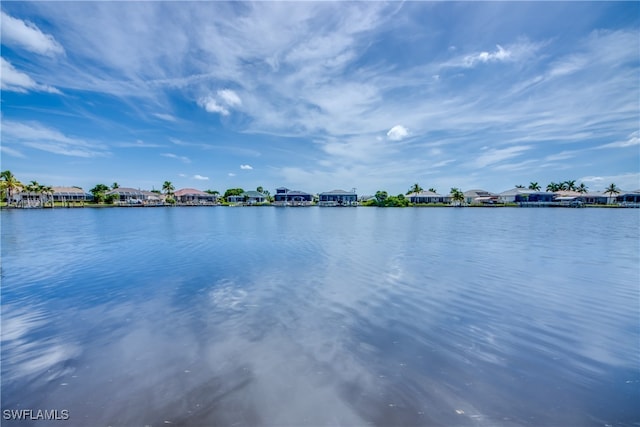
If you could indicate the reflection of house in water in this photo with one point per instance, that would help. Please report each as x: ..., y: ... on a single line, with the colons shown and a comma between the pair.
x: 338, y: 198
x: 286, y: 197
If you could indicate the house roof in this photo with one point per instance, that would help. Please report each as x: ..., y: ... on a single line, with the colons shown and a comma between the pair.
x: 424, y: 194
x: 254, y: 194
x: 338, y: 192
x: 478, y: 193
x: 190, y: 192
x: 126, y: 191
x: 516, y: 191
x: 295, y: 193
x: 68, y: 191
x: 567, y: 193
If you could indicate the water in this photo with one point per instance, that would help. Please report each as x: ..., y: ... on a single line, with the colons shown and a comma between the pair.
x: 322, y: 316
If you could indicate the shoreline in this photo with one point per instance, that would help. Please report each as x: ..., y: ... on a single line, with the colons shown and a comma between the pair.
x: 434, y: 205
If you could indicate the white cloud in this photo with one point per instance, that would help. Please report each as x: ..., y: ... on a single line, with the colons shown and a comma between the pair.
x: 211, y: 105
x: 497, y: 155
x: 499, y: 55
x: 201, y: 178
x: 624, y: 181
x: 229, y: 97
x: 231, y: 174
x: 518, y: 51
x: 11, y: 151
x: 632, y: 140
x: 246, y: 167
x: 397, y: 133
x: 226, y: 99
x: 26, y: 35
x: 182, y: 175
x: 165, y: 117
x: 40, y: 137
x: 184, y: 159
x: 17, y: 81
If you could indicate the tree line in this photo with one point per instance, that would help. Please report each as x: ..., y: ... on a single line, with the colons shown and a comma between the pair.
x: 10, y: 186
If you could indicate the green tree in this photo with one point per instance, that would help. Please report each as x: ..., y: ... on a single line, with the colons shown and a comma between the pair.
x: 570, y: 185
x: 582, y: 188
x: 99, y: 192
x: 259, y: 189
x: 232, y: 192
x: 111, y: 198
x: 415, y: 188
x: 47, y: 190
x: 433, y: 190
x: 115, y: 185
x: 381, y: 196
x: 534, y: 186
x: 9, y: 184
x: 612, y: 190
x: 168, y: 188
x: 553, y: 187
x: 457, y: 196
x: 519, y: 186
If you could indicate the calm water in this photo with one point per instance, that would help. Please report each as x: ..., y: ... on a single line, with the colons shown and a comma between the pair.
x: 312, y: 316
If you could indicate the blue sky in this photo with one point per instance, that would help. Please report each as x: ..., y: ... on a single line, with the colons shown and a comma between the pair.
x: 317, y: 96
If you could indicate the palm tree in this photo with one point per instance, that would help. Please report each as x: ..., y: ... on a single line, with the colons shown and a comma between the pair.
x: 9, y: 184
x: 457, y: 196
x: 433, y: 190
x: 115, y: 185
x: 582, y: 188
x: 415, y: 188
x: 519, y: 186
x: 168, y: 188
x: 571, y: 185
x: 534, y: 186
x: 553, y: 187
x: 35, y: 189
x: 611, y: 190
x: 47, y: 190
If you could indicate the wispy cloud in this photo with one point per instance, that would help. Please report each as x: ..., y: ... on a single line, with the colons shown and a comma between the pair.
x: 201, y: 178
x: 514, y: 52
x: 11, y: 151
x: 165, y: 117
x: 26, y: 35
x: 35, y: 135
x: 632, y: 140
x: 184, y: 159
x: 139, y: 144
x: 497, y: 155
x: 246, y: 167
x: 231, y: 174
x: 16, y: 81
x: 229, y: 97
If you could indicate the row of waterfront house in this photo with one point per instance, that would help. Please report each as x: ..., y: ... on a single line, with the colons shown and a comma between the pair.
x: 75, y: 196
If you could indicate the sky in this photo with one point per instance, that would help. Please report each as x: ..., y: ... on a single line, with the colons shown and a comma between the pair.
x: 316, y: 96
